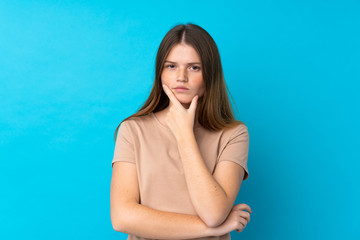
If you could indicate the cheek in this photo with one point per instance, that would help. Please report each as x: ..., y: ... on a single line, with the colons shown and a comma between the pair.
x: 164, y: 78
x: 202, y: 90
x: 201, y: 85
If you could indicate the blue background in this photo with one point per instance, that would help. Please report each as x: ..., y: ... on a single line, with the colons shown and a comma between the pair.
x: 70, y: 71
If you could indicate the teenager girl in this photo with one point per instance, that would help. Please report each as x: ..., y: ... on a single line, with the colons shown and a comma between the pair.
x: 180, y: 160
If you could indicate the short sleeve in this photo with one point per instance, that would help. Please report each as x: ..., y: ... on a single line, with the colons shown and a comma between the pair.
x: 124, y: 147
x: 237, y: 148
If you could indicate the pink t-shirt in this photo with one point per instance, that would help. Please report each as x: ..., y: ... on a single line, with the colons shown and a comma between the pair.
x: 151, y: 145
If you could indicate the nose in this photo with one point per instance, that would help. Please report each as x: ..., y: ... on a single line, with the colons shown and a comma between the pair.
x: 181, y: 75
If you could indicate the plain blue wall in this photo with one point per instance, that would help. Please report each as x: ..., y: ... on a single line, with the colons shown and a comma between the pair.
x: 70, y: 71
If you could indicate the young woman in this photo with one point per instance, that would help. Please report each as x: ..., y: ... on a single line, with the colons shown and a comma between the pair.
x: 180, y: 160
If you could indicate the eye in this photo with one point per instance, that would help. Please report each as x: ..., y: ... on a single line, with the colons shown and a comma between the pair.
x: 171, y: 66
x: 196, y: 68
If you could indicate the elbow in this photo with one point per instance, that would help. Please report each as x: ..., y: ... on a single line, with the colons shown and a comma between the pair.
x: 217, y: 216
x: 119, y: 228
x: 117, y: 225
x: 120, y: 225
x: 119, y: 220
x: 213, y: 223
x: 214, y: 220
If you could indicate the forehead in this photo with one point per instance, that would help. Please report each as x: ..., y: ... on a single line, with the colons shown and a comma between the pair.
x: 183, y: 53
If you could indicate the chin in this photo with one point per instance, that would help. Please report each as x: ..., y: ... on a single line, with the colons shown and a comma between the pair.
x: 185, y: 101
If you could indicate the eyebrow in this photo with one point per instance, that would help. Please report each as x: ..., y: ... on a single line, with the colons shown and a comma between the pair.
x: 188, y: 63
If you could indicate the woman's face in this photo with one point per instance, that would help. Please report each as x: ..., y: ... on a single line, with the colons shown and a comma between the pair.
x: 182, y: 69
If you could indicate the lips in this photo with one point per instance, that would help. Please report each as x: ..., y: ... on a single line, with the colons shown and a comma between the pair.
x: 181, y: 88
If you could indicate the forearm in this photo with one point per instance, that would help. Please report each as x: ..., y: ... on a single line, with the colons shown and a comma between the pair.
x: 208, y: 197
x: 146, y: 222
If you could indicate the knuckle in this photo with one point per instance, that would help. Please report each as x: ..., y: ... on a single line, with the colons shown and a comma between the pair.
x: 238, y: 206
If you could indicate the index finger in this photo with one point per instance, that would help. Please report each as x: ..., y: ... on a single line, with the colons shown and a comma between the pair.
x: 171, y: 96
x: 243, y: 206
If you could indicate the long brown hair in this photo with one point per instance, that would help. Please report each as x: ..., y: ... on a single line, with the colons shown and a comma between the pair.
x: 214, y: 109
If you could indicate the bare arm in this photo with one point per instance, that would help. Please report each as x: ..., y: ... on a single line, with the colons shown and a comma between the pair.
x: 213, y: 196
x: 130, y: 217
x: 150, y: 223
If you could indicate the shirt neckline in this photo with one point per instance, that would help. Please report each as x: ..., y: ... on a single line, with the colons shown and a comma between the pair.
x: 197, y: 125
x: 158, y: 121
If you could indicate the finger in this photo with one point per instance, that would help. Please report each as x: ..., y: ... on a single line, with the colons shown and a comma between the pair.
x: 243, y: 222
x: 242, y: 206
x: 241, y: 227
x: 171, y: 96
x: 193, y: 104
x: 245, y: 215
x: 250, y: 209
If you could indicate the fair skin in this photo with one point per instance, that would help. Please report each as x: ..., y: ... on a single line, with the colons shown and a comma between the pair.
x: 213, y: 196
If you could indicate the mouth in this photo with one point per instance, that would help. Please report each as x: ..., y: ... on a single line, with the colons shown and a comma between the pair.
x: 181, y: 89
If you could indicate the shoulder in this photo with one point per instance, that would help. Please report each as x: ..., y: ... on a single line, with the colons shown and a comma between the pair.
x: 137, y: 120
x: 237, y: 133
x: 239, y: 128
x: 138, y: 125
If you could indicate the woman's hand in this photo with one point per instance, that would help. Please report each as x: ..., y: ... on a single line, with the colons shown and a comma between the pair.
x: 237, y: 219
x: 179, y: 119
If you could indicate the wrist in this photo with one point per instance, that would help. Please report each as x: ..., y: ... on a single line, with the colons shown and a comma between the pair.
x: 211, y: 232
x: 185, y: 135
